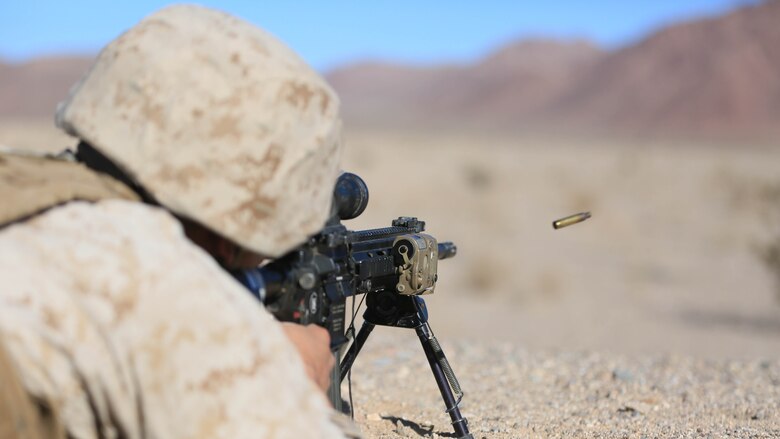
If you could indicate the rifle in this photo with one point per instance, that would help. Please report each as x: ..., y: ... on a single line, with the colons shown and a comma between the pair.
x: 391, y: 266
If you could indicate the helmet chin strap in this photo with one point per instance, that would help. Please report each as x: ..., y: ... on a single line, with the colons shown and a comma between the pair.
x: 93, y: 159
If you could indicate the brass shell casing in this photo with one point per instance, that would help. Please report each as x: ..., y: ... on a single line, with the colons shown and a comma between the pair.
x: 570, y: 220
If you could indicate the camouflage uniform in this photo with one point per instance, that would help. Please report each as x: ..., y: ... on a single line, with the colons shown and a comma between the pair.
x: 111, y: 319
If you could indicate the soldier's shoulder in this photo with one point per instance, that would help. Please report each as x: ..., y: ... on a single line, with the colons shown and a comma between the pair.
x: 102, y: 223
x: 33, y: 183
x: 120, y: 217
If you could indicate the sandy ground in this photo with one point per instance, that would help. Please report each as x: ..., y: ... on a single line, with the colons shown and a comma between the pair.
x: 655, y: 318
x: 511, y: 392
x: 669, y: 262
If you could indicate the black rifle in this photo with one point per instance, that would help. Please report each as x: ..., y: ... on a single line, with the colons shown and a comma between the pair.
x: 392, y: 266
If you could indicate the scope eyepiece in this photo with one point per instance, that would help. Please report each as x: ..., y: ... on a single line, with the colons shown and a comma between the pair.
x: 350, y: 197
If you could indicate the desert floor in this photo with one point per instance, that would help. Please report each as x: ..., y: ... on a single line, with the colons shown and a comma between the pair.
x: 670, y: 262
x: 658, y: 317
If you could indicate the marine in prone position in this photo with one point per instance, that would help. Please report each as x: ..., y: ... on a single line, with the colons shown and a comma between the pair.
x: 205, y: 145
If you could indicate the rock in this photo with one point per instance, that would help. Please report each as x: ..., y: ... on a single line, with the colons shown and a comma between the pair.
x: 373, y: 417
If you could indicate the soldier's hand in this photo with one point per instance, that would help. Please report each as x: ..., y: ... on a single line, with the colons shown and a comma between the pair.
x: 313, y: 343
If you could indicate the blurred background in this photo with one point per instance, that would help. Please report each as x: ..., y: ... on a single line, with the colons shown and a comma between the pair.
x: 491, y: 120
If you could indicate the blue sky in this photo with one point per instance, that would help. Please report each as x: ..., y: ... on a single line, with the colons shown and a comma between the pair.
x: 331, y: 33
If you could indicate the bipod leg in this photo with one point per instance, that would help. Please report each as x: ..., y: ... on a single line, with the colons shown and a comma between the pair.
x: 354, y: 349
x: 445, y: 379
x: 334, y: 390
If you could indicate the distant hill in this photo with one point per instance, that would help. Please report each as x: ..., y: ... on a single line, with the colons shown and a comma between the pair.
x: 717, y: 77
x: 33, y: 89
x: 536, y: 71
x: 711, y: 78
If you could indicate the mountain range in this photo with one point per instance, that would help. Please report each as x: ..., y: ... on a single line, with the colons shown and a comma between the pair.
x: 708, y: 78
x: 33, y: 89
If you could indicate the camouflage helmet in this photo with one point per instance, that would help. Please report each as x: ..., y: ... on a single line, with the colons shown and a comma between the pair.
x: 219, y: 121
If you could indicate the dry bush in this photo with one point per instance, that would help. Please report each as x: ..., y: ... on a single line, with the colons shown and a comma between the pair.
x: 771, y: 258
x: 769, y: 253
x: 490, y: 275
x: 477, y: 177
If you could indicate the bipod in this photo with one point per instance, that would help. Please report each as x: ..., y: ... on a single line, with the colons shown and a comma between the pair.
x: 391, y: 309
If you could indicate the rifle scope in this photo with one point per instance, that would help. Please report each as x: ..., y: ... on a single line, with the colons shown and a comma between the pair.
x: 350, y: 197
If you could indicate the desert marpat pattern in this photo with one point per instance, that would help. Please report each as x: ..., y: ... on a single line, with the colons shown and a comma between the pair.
x: 112, y: 333
x: 217, y: 119
x: 32, y: 183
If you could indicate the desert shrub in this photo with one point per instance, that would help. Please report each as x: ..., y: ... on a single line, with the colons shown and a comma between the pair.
x: 477, y: 177
x: 770, y: 252
x: 771, y: 257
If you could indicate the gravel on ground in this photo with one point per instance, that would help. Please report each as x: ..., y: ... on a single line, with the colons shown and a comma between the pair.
x: 511, y: 392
